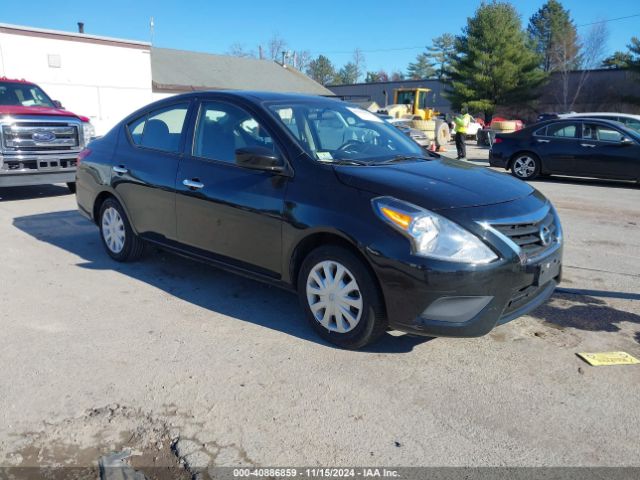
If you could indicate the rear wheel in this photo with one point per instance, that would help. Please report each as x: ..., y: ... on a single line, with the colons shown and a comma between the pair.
x: 117, y: 236
x: 525, y: 166
x: 340, y: 298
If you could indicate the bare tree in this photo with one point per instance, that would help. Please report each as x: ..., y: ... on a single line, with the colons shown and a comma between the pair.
x: 301, y: 59
x: 593, y: 48
x: 276, y: 46
x: 237, y: 50
x: 359, y: 63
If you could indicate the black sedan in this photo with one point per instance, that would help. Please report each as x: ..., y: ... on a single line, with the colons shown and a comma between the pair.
x: 325, y: 199
x: 581, y: 147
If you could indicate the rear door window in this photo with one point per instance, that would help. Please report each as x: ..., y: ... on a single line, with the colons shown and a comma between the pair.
x: 562, y: 130
x: 160, y: 129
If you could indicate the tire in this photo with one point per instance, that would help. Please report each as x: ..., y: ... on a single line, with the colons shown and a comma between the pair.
x: 366, y: 318
x: 424, y: 125
x: 72, y: 187
x: 505, y: 126
x: 442, y: 134
x: 525, y: 166
x: 119, y: 240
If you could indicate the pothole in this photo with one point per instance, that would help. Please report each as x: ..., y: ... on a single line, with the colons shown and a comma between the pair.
x: 74, y: 447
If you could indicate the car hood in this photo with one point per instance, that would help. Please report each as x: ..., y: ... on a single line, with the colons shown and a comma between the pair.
x: 436, y: 184
x: 40, y: 111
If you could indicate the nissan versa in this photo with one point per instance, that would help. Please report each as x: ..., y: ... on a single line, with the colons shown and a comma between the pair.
x: 321, y: 197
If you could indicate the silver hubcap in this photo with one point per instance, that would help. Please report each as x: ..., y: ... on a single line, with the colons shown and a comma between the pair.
x: 524, y: 166
x: 334, y: 297
x: 113, y: 230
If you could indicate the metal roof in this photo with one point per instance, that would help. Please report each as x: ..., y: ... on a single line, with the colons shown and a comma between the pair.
x: 73, y: 36
x: 180, y: 71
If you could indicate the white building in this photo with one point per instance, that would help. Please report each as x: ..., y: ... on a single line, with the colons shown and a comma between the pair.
x: 101, y: 78
x: 105, y: 78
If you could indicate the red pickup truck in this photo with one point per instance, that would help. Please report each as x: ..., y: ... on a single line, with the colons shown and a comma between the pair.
x: 39, y: 140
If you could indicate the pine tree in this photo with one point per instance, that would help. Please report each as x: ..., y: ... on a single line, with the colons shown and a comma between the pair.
x: 347, y: 74
x: 554, y: 37
x: 618, y: 60
x: 634, y: 51
x: 440, y: 52
x: 321, y: 70
x: 494, y: 64
x: 421, y: 68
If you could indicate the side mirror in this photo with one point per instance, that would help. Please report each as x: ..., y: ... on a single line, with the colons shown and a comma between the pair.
x: 626, y: 141
x: 57, y: 104
x: 259, y: 158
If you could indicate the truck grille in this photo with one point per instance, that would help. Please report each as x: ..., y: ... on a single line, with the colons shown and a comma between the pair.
x: 529, y: 236
x: 40, y: 136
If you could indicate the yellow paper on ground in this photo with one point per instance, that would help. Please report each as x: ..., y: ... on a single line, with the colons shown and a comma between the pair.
x: 608, y: 358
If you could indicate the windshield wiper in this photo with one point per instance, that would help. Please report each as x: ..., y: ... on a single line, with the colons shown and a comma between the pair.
x: 348, y: 162
x: 402, y: 158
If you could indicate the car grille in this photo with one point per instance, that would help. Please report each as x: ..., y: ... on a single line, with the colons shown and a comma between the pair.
x: 528, y: 236
x: 40, y: 136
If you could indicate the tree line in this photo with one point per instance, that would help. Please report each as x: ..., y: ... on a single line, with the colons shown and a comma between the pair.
x: 495, y: 60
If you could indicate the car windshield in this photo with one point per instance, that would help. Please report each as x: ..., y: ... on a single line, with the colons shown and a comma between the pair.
x: 337, y: 132
x: 23, y: 94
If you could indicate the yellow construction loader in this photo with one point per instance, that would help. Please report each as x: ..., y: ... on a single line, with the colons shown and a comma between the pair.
x: 411, y: 104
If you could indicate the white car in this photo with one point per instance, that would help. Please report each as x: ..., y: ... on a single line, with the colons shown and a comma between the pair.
x: 627, y: 119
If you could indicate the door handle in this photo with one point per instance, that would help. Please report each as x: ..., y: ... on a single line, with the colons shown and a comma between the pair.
x: 120, y: 170
x: 540, y: 140
x: 193, y: 184
x: 590, y: 145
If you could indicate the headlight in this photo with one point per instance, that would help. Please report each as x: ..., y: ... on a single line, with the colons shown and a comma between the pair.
x: 432, y: 235
x: 89, y: 132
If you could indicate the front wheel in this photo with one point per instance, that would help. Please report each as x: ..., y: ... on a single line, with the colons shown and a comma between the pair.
x: 117, y: 236
x: 525, y: 166
x: 340, y: 298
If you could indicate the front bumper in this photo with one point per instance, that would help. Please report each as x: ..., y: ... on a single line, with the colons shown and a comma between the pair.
x: 474, y: 302
x: 22, y: 170
x: 38, y: 178
x: 439, y: 298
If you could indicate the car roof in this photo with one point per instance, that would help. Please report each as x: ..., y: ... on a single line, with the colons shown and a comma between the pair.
x: 15, y: 80
x: 611, y: 123
x: 256, y: 95
x: 552, y: 121
x: 591, y: 114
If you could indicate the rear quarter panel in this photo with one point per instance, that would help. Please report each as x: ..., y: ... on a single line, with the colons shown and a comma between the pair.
x: 94, y: 173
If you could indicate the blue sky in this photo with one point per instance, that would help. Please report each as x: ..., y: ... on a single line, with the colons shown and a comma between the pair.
x: 330, y: 27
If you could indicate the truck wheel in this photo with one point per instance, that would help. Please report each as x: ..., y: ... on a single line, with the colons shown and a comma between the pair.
x: 340, y: 298
x: 72, y: 187
x: 117, y: 236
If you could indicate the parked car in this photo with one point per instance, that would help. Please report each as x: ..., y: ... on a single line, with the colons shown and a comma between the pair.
x: 371, y: 233
x: 39, y: 140
x: 584, y: 147
x: 627, y: 119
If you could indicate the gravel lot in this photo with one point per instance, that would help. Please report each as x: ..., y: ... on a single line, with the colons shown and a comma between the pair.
x: 98, y: 356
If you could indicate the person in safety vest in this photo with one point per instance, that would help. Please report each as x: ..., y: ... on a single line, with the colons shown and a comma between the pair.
x: 461, y: 121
